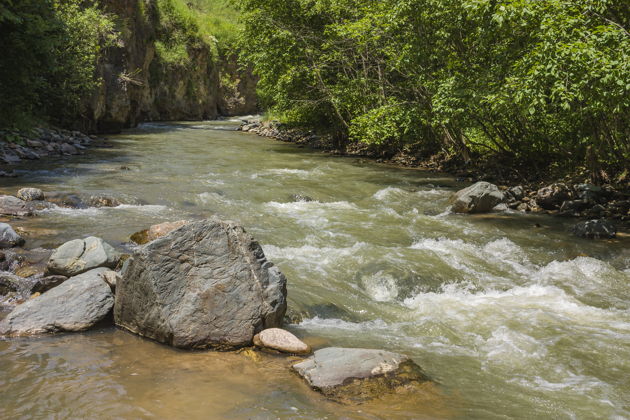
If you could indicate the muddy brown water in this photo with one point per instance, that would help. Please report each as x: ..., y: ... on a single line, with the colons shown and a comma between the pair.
x: 512, y: 320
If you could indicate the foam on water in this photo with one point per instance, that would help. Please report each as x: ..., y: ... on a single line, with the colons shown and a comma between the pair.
x: 95, y: 211
x: 392, y: 193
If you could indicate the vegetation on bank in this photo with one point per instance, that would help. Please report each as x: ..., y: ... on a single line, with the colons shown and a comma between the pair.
x: 51, y: 49
x: 535, y: 83
x: 49, y: 52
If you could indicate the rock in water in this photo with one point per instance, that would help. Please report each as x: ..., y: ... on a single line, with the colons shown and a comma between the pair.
x: 156, y: 231
x: 357, y: 375
x: 30, y: 194
x: 281, y: 340
x: 204, y: 285
x: 478, y: 198
x: 595, y: 229
x: 8, y: 237
x: 13, y: 206
x: 76, y: 305
x: 80, y: 255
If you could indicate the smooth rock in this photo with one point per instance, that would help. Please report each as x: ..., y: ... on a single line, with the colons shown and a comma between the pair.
x: 13, y: 206
x: 478, y: 198
x: 595, y: 229
x: 357, y: 375
x: 63, y: 199
x: 44, y: 284
x: 80, y: 255
x: 8, y: 237
x: 76, y: 305
x: 68, y: 149
x: 204, y: 285
x: 30, y: 194
x: 281, y: 340
x: 156, y: 231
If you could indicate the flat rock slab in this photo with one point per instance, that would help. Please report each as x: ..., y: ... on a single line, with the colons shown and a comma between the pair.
x: 13, y: 206
x: 281, y: 340
x: 80, y: 255
x: 358, y: 375
x: 76, y: 305
x: 204, y: 285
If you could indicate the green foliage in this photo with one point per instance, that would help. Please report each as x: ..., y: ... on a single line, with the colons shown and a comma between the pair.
x: 50, y: 48
x: 537, y: 81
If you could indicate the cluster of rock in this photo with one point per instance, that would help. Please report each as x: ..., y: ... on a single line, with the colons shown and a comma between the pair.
x: 483, y: 197
x: 16, y: 146
x: 30, y: 200
x: 192, y: 285
x: 275, y: 130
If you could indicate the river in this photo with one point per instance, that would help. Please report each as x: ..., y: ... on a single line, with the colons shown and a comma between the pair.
x: 511, y: 315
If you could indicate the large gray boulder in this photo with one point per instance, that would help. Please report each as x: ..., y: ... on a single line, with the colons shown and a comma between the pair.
x: 480, y: 197
x: 552, y: 196
x: 80, y: 255
x: 8, y: 237
x: 76, y: 305
x: 357, y: 375
x: 13, y: 206
x: 206, y: 284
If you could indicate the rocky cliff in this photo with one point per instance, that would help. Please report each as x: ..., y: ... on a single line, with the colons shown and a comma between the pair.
x: 140, y: 85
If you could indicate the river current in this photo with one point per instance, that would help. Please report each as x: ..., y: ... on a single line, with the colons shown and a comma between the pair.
x: 511, y: 315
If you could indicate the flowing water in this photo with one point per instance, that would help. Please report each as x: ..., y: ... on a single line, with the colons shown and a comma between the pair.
x: 512, y: 316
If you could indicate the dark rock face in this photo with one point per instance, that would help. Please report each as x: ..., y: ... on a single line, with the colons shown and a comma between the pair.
x: 80, y: 255
x: 595, y: 229
x: 204, y: 285
x: 76, y: 305
x: 8, y: 237
x: 358, y: 375
x: 13, y: 206
x: 478, y: 198
x: 552, y: 196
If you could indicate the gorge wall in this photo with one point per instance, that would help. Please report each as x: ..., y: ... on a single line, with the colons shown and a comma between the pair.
x: 138, y: 84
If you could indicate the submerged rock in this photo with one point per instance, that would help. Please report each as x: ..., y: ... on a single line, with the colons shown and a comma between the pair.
x: 204, y: 285
x: 358, y: 375
x: 478, y: 198
x: 30, y: 194
x: 595, y: 229
x: 301, y: 198
x: 8, y: 237
x: 13, y: 206
x: 76, y: 305
x: 156, y: 231
x: 80, y: 255
x: 63, y: 199
x: 281, y: 340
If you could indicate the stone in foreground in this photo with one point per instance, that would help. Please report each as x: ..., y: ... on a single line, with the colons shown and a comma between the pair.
x: 478, y: 198
x: 281, y: 340
x: 358, y: 375
x: 8, y: 237
x: 595, y: 229
x: 75, y: 305
x: 80, y: 255
x: 156, y: 231
x: 204, y: 285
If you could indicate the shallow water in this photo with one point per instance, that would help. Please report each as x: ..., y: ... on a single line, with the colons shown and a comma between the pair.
x: 512, y: 320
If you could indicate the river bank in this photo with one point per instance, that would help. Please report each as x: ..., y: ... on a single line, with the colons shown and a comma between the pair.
x: 510, y: 318
x: 569, y: 196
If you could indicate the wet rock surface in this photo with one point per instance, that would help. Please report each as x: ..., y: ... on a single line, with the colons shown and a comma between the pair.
x: 76, y: 305
x: 595, y: 229
x: 13, y: 206
x: 80, y: 255
x: 358, y: 375
x: 30, y: 194
x: 156, y: 231
x: 204, y: 285
x: 8, y: 237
